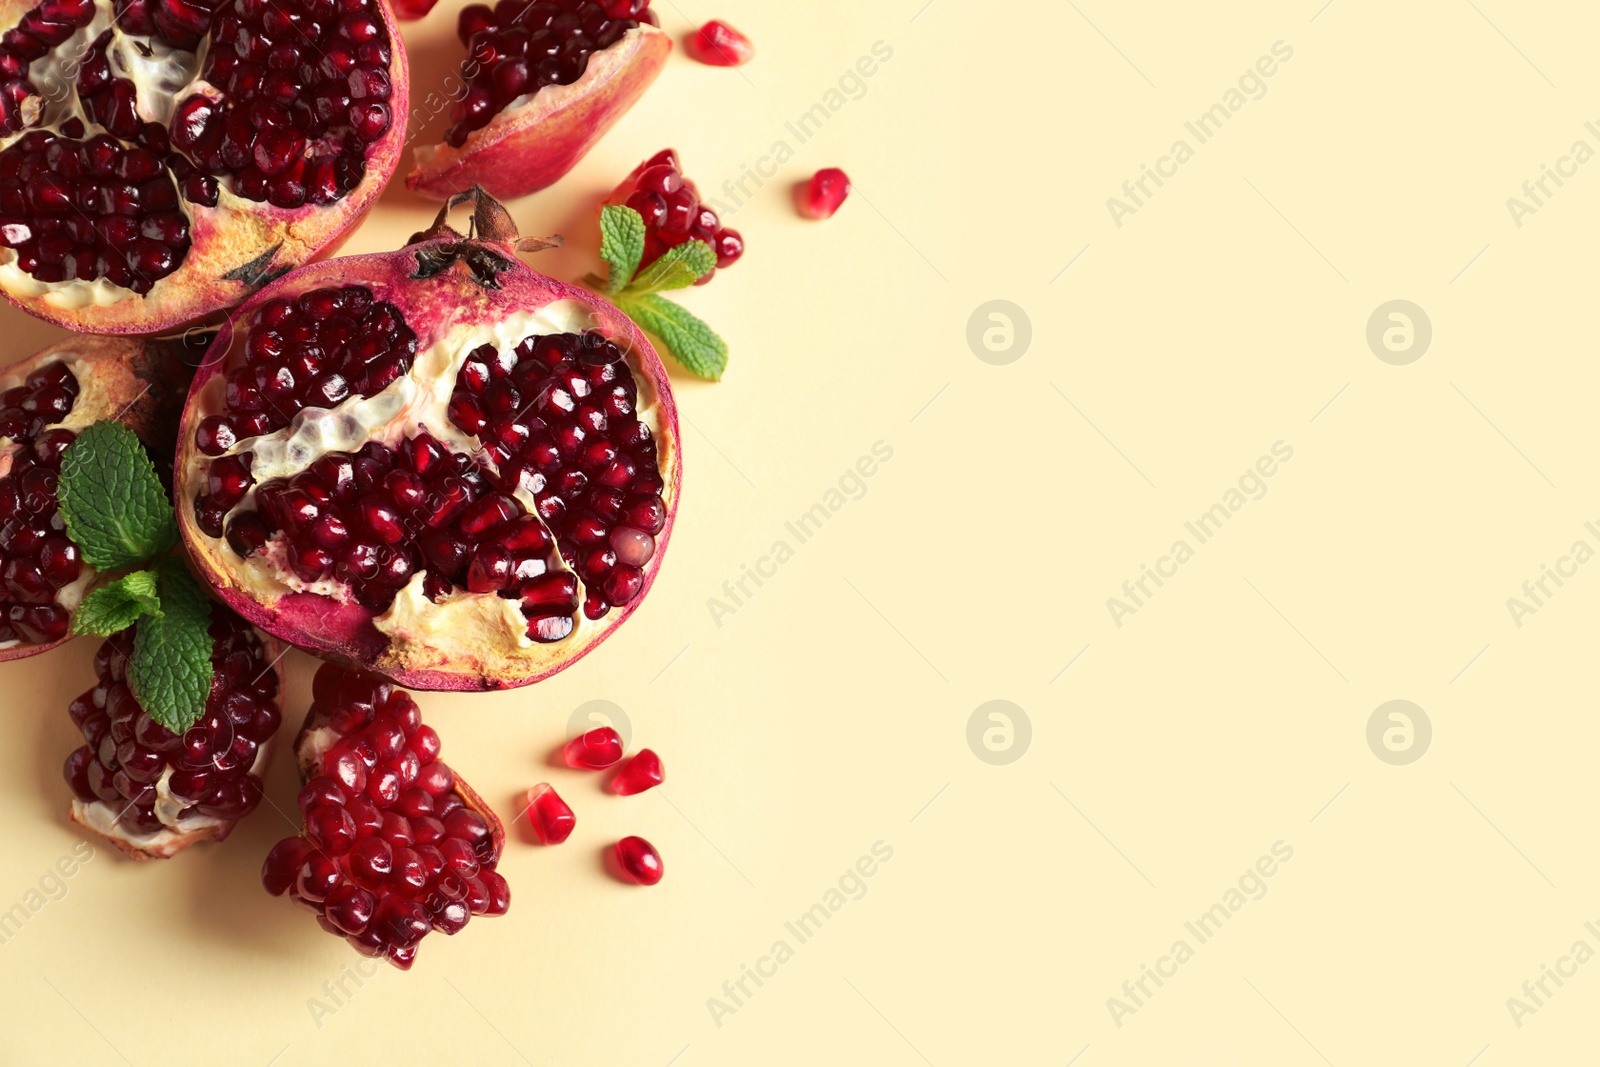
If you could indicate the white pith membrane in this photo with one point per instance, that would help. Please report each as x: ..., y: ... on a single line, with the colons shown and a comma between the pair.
x: 92, y: 398
x: 172, y: 71
x: 551, y: 98
x: 456, y: 631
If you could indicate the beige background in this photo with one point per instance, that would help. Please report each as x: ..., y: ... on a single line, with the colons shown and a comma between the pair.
x: 830, y: 711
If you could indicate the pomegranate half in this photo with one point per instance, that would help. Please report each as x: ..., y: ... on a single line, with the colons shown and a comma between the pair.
x: 160, y: 159
x: 545, y: 81
x: 45, y: 402
x: 436, y: 464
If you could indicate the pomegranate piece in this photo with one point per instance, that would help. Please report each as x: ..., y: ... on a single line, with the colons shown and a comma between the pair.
x: 823, y: 194
x: 545, y: 81
x: 670, y: 205
x: 639, y: 860
x: 407, y: 10
x: 718, y: 44
x: 552, y: 820
x: 595, y: 750
x: 153, y: 793
x: 481, y: 535
x: 44, y: 402
x: 641, y: 772
x: 113, y: 166
x: 395, y: 844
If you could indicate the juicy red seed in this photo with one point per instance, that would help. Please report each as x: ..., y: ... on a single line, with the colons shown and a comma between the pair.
x: 673, y: 213
x: 595, y: 750
x: 641, y: 772
x: 820, y: 197
x: 552, y: 820
x: 283, y: 864
x: 720, y: 45
x: 639, y: 860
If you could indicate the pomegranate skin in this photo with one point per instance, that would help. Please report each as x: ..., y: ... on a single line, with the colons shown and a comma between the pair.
x: 236, y: 245
x: 140, y: 382
x: 440, y: 305
x: 529, y: 147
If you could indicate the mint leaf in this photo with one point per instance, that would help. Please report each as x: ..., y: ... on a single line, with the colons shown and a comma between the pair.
x: 171, y: 668
x: 621, y: 243
x: 117, y: 606
x: 113, y: 503
x: 691, y: 342
x: 678, y: 268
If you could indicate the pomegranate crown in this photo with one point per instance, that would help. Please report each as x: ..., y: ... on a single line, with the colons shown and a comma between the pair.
x: 489, y: 225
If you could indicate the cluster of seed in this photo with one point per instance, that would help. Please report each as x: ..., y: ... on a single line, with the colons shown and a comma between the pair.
x: 36, y: 558
x: 126, y: 753
x: 391, y: 849
x: 670, y: 205
x: 517, y: 48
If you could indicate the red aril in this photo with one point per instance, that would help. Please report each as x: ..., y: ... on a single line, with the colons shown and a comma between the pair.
x: 552, y: 820
x: 45, y: 402
x: 372, y: 868
x: 718, y: 44
x: 823, y: 194
x: 670, y: 205
x: 160, y: 159
x: 486, y: 500
x: 639, y: 860
x: 153, y: 793
x: 595, y: 750
x: 641, y: 772
x: 545, y: 81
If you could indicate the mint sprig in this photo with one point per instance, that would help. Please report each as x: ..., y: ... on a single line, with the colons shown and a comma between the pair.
x: 118, y: 515
x: 117, y: 606
x: 689, y: 340
x: 171, y: 668
x: 115, y: 509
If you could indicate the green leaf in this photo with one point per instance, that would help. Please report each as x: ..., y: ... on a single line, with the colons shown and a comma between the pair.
x: 678, y: 268
x: 171, y: 668
x: 621, y: 243
x: 113, y: 503
x: 117, y: 606
x: 691, y: 342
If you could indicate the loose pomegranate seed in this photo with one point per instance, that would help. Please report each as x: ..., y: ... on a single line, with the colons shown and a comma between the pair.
x: 824, y: 193
x: 718, y: 44
x: 595, y: 750
x: 212, y: 765
x: 639, y: 860
x: 517, y: 48
x: 552, y: 820
x: 670, y: 205
x: 641, y: 772
x: 383, y: 861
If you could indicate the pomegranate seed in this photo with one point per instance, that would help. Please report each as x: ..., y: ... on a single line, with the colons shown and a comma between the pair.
x: 639, y: 860
x: 641, y: 772
x: 552, y: 820
x: 823, y: 194
x: 595, y: 750
x: 673, y: 214
x: 719, y: 45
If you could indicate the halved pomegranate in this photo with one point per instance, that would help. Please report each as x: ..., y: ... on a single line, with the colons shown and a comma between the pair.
x: 45, y: 401
x: 153, y: 793
x: 546, y: 80
x: 160, y: 159
x: 435, y: 463
x: 395, y: 844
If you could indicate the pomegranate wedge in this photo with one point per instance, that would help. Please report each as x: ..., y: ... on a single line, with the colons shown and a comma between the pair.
x: 546, y: 81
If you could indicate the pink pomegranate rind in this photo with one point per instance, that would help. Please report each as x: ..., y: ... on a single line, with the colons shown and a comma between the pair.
x: 235, y: 244
x: 530, y: 146
x: 138, y: 382
x: 467, y: 645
